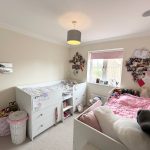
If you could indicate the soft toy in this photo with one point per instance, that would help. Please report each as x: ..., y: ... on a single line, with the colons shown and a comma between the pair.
x: 116, y: 92
x: 143, y: 119
x: 6, y: 111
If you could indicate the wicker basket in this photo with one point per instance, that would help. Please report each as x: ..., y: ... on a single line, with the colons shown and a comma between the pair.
x: 18, y: 132
x: 17, y: 122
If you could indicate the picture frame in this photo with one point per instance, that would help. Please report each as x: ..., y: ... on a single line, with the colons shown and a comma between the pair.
x: 6, y: 68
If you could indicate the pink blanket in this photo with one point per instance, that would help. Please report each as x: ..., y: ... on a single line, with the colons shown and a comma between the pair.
x: 128, y: 105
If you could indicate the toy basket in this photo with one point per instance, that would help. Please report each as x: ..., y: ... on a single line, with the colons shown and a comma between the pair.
x: 4, y: 127
x: 17, y: 121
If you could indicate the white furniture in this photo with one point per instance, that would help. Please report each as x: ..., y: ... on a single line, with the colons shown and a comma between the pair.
x: 102, y: 97
x: 67, y: 106
x: 79, y: 94
x: 41, y: 112
x: 41, y: 106
x: 84, y: 134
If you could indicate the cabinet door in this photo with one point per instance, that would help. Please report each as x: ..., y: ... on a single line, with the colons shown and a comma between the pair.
x: 42, y: 120
x: 82, y: 94
x: 79, y: 94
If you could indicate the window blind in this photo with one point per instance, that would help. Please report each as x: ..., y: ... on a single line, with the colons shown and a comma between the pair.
x: 107, y: 55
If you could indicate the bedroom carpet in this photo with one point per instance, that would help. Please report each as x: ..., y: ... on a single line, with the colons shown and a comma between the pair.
x: 59, y: 137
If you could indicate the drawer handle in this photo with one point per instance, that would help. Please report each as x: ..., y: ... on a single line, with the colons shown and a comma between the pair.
x: 41, y: 125
x: 41, y: 115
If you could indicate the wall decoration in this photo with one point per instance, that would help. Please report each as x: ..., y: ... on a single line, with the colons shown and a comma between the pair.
x: 6, y: 68
x: 78, y: 63
x: 139, y: 66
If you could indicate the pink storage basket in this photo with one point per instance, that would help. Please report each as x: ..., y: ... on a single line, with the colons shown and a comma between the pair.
x: 17, y: 121
x: 4, y: 127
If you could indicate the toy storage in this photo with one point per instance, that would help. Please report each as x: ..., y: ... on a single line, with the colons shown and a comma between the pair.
x: 17, y: 121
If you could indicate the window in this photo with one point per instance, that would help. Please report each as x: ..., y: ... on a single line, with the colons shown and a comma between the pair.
x: 105, y: 67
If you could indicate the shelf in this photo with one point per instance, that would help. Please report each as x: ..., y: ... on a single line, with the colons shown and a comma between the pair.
x: 67, y: 96
x: 67, y: 116
x: 67, y: 108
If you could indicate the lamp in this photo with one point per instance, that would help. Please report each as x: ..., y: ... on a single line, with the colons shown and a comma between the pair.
x: 74, y: 36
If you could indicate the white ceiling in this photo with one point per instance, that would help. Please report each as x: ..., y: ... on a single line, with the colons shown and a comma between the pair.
x: 97, y: 19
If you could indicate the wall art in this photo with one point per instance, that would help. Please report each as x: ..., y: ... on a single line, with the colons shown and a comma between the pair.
x: 6, y: 68
x: 78, y: 63
x: 139, y: 66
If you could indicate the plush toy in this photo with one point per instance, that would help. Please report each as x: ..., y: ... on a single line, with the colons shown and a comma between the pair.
x: 6, y: 111
x: 80, y: 108
x: 143, y: 119
x: 116, y: 92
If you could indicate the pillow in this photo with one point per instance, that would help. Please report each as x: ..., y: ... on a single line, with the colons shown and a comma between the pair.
x: 130, y: 134
x: 90, y: 119
x: 106, y: 119
x: 143, y: 119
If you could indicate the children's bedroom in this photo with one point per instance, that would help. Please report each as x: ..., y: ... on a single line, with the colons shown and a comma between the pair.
x: 74, y: 75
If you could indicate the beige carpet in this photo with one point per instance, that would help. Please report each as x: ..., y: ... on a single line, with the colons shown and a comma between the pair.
x: 59, y: 137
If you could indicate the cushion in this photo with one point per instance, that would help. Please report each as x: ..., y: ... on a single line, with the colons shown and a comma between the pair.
x: 90, y: 119
x: 143, y: 119
x: 130, y: 134
x: 106, y: 119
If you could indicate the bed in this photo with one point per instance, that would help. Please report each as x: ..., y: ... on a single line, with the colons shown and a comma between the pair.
x: 125, y: 106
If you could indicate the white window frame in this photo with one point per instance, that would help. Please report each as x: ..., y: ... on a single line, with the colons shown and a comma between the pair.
x: 104, y: 65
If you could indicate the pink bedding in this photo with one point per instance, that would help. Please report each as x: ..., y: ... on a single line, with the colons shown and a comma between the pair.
x: 128, y: 105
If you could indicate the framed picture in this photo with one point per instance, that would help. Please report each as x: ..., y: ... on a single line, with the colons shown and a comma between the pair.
x: 6, y: 68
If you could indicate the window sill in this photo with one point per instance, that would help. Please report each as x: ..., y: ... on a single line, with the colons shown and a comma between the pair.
x: 100, y: 84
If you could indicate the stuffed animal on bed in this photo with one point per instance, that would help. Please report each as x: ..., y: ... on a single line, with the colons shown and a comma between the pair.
x: 117, y: 92
x: 143, y: 119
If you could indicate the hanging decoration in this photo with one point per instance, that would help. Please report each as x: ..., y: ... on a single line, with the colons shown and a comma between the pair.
x: 139, y: 66
x: 78, y: 63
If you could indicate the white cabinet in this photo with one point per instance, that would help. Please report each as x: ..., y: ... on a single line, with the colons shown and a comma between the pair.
x: 40, y: 106
x: 41, y: 100
x: 79, y: 95
x: 43, y: 119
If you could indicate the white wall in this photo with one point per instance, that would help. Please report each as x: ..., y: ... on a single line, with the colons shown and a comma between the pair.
x: 34, y: 61
x: 38, y: 61
x: 129, y: 46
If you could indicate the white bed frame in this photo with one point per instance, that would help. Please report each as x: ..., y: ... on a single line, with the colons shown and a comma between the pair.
x: 85, y: 135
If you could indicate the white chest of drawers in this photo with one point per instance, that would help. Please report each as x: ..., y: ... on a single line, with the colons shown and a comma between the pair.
x: 42, y: 120
x: 41, y: 112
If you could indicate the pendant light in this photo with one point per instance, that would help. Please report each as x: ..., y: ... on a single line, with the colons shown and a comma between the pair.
x: 74, y: 36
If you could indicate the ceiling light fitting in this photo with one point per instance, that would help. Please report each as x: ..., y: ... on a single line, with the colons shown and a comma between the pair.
x: 74, y: 36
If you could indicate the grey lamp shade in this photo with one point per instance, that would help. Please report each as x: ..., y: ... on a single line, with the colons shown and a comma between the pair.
x: 74, y: 37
